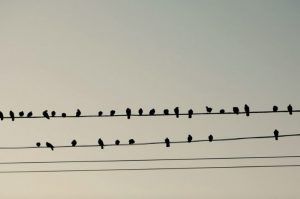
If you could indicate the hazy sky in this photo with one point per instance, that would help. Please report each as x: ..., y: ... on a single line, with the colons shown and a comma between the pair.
x: 103, y: 55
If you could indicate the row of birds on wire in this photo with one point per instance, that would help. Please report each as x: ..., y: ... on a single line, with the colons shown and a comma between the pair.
x: 152, y: 112
x: 132, y: 141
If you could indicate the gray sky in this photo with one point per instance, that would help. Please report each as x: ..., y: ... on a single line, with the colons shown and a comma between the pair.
x: 103, y: 55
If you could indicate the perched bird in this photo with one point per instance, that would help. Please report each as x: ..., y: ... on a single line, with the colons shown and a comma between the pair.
x: 166, y: 111
x: 29, y: 114
x: 140, y: 111
x: 64, y: 115
x: 49, y: 145
x: 100, y: 142
x: 1, y: 115
x: 190, y: 113
x: 100, y: 113
x: 131, y: 141
x: 112, y: 112
x: 21, y: 114
x: 290, y: 109
x: 247, y: 110
x: 208, y: 109
x: 74, y: 143
x: 236, y: 110
x: 78, y: 113
x: 38, y: 144
x: 117, y: 142
x: 276, y: 134
x: 222, y: 111
x: 53, y: 113
x: 152, y: 112
x: 275, y: 108
x: 167, y: 141
x: 189, y: 138
x: 45, y: 114
x: 12, y: 115
x: 128, y: 113
x: 176, y: 111
x: 210, y: 138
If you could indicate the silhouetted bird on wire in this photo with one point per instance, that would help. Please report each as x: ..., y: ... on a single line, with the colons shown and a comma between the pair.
x: 236, y: 110
x: 189, y: 138
x: 112, y: 112
x: 166, y: 111
x: 21, y: 114
x: 100, y: 113
x: 64, y: 115
x: 208, y: 109
x: 152, y: 112
x: 131, y: 141
x: 247, y: 110
x: 290, y: 109
x: 210, y: 138
x: 49, y: 145
x: 29, y: 114
x: 276, y: 134
x: 12, y: 115
x: 74, y: 143
x: 1, y: 115
x: 45, y: 114
x: 53, y: 113
x: 167, y: 141
x: 190, y: 113
x: 78, y: 113
x: 275, y: 108
x: 38, y: 144
x: 101, y: 144
x: 222, y: 111
x: 176, y: 111
x: 140, y: 111
x: 117, y: 142
x: 128, y: 113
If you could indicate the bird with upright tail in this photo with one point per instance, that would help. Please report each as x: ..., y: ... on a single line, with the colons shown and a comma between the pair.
x: 176, y: 111
x: 290, y: 109
x: 167, y: 141
x: 247, y: 110
x: 49, y: 145
x: 208, y: 109
x: 101, y: 143
x: 46, y: 115
x: 128, y: 113
x: 12, y: 115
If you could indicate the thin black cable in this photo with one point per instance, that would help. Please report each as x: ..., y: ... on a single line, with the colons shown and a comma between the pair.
x: 153, y: 143
x: 150, y: 169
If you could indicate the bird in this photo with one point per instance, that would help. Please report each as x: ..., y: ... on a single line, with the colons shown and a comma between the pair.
x: 275, y: 108
x: 210, y: 138
x: 290, y: 109
x: 276, y: 134
x: 45, y: 114
x: 167, y: 141
x: 222, y: 111
x: 21, y: 114
x: 189, y: 138
x: 236, y: 110
x: 100, y: 113
x: 208, y: 109
x: 140, y: 111
x: 53, y: 113
x: 29, y: 114
x: 64, y: 115
x: 74, y: 143
x: 190, y: 113
x: 38, y: 144
x: 12, y: 115
x: 117, y: 142
x: 101, y: 144
x: 1, y: 115
x: 152, y: 112
x: 247, y: 110
x: 49, y: 145
x: 131, y: 141
x: 112, y: 112
x: 78, y: 113
x: 128, y: 113
x: 176, y: 111
x: 166, y: 111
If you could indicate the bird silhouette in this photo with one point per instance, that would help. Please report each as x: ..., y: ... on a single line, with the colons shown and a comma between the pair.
x: 167, y: 141
x: 276, y: 134
x: 190, y: 113
x: 189, y: 138
x: 49, y: 145
x: 166, y: 111
x: 78, y: 113
x: 53, y: 113
x: 45, y: 114
x: 290, y: 109
x: 222, y: 111
x: 29, y: 114
x: 112, y: 112
x: 1, y: 115
x: 210, y: 138
x: 208, y: 109
x: 38, y: 144
x: 152, y: 112
x: 275, y: 108
x: 131, y: 141
x: 12, y: 115
x: 74, y: 143
x: 140, y: 111
x: 100, y: 113
x: 247, y: 110
x: 236, y: 110
x: 64, y: 115
x: 128, y: 113
x: 176, y: 111
x: 101, y: 144
x: 21, y: 114
x: 117, y: 142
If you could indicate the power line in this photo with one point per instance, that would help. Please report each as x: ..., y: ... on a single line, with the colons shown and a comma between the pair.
x: 155, y: 143
x: 152, y: 160
x: 151, y: 169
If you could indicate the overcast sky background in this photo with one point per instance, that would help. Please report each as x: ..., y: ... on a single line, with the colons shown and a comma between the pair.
x: 103, y: 55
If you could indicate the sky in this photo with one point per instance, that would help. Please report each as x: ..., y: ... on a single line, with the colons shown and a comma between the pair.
x: 104, y: 55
